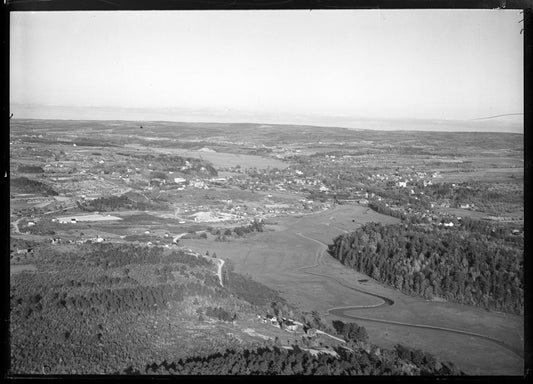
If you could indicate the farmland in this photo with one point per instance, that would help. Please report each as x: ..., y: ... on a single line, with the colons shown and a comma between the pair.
x: 150, y: 226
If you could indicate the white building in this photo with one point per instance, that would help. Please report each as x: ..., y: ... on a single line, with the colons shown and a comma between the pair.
x: 401, y: 184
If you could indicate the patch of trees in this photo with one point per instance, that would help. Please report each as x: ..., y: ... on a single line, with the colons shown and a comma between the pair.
x: 223, y: 234
x: 220, y: 314
x: 380, y: 207
x: 112, y: 203
x: 295, y: 361
x: 483, y: 195
x: 26, y: 247
x: 117, y: 255
x: 30, y: 169
x: 459, y: 265
x: 350, y: 331
x: 108, y: 300
x: 25, y: 185
x: 249, y: 290
x: 42, y: 227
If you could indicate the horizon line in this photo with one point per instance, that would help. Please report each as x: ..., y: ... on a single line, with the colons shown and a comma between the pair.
x: 289, y: 124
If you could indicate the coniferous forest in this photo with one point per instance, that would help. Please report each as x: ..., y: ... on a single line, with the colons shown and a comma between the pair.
x: 475, y: 264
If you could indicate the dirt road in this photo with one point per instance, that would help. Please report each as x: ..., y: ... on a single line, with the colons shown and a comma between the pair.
x: 342, y: 311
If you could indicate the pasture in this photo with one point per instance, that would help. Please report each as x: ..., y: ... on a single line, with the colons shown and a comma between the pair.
x: 91, y: 217
x: 276, y: 258
x: 226, y: 160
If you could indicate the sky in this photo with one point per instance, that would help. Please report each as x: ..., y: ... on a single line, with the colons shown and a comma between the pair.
x: 283, y: 65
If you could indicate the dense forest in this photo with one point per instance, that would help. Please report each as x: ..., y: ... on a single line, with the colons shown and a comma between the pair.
x: 486, y: 196
x: 382, y: 208
x: 112, y: 203
x: 223, y: 234
x: 297, y: 361
x: 61, y: 316
x: 30, y: 169
x: 475, y: 264
x: 25, y: 185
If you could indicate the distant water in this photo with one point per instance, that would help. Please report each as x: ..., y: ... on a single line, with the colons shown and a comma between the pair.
x: 503, y: 123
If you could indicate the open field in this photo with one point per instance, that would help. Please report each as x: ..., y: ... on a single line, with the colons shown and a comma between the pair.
x: 150, y: 184
x: 225, y: 160
x: 17, y: 268
x: 514, y: 174
x: 270, y: 259
x: 91, y: 218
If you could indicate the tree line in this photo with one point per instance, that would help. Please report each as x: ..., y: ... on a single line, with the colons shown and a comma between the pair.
x: 462, y: 266
x: 296, y: 361
x: 25, y: 185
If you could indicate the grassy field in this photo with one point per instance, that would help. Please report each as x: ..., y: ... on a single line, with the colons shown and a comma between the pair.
x: 226, y: 160
x: 515, y: 174
x: 274, y: 258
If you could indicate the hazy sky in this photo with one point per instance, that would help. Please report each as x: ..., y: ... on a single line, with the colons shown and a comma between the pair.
x: 440, y: 64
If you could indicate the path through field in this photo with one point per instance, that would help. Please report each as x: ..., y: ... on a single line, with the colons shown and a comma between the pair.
x: 292, y: 258
x: 342, y: 311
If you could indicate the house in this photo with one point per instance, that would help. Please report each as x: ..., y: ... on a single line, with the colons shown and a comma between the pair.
x: 273, y: 321
x: 179, y: 180
x: 157, y: 182
x: 289, y: 326
x: 401, y: 184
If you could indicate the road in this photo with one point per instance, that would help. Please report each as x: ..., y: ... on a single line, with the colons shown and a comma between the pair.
x: 219, y: 272
x: 385, y: 301
x: 16, y: 225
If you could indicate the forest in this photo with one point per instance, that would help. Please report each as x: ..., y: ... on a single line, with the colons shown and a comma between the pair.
x: 25, y: 185
x: 61, y: 317
x: 486, y: 196
x: 277, y: 360
x: 112, y: 203
x: 30, y: 169
x: 240, y: 231
x: 474, y: 264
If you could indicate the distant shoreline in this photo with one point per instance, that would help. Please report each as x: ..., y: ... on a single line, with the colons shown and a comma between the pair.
x: 482, y: 125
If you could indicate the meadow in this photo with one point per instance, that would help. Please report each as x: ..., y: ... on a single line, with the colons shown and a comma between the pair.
x: 276, y: 257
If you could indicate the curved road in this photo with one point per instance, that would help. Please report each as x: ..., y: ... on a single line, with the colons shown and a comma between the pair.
x: 341, y: 311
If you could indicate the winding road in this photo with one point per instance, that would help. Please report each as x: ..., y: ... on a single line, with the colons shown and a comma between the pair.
x: 385, y: 301
x: 16, y: 226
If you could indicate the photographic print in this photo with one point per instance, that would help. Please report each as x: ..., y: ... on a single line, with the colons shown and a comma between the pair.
x: 266, y: 192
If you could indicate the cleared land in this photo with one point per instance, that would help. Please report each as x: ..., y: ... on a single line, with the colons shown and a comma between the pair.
x: 276, y: 259
x: 225, y: 160
x: 83, y: 160
x: 93, y: 217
